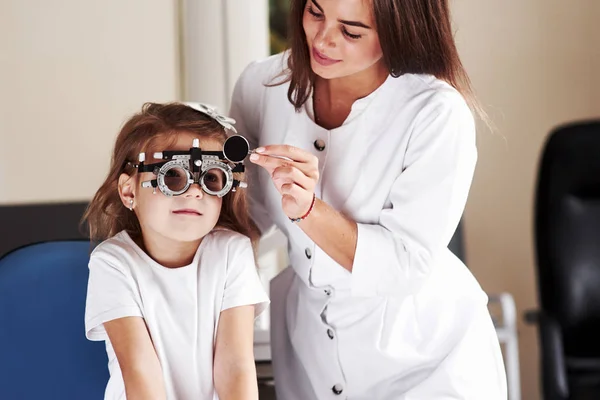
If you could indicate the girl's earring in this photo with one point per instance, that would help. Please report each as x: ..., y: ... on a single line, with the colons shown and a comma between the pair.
x: 131, y: 205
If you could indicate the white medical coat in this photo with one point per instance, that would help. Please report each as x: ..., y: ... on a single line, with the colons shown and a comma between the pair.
x: 410, y: 321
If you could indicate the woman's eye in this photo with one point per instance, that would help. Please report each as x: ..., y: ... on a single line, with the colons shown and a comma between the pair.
x: 314, y: 13
x: 350, y: 35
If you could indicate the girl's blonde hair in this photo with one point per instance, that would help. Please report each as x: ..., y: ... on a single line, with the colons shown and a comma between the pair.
x: 158, y: 124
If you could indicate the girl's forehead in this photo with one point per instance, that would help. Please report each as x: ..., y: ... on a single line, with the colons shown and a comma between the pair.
x: 183, y: 141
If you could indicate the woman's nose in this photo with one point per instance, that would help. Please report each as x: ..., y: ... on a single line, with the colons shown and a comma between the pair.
x: 325, y: 37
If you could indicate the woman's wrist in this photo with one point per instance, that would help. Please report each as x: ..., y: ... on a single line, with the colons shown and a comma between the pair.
x: 335, y: 233
x: 312, y: 205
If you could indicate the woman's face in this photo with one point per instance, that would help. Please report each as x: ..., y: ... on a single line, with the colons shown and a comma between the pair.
x: 341, y: 37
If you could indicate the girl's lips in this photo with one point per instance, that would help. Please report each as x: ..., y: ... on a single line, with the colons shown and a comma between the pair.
x: 323, y: 59
x: 187, y: 211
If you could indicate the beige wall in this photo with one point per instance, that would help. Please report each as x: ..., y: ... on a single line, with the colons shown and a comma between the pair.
x: 532, y: 65
x: 83, y: 67
x: 595, y: 33
x: 70, y: 73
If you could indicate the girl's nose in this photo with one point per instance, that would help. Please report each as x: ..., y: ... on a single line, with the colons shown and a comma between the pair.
x: 195, y: 190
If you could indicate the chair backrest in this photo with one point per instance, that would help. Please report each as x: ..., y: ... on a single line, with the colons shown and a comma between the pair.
x: 43, y: 350
x: 567, y: 233
x: 52, y: 221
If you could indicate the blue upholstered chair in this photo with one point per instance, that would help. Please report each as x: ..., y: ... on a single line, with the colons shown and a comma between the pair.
x: 43, y: 350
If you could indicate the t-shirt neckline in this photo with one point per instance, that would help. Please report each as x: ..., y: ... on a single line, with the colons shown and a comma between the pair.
x: 159, y: 266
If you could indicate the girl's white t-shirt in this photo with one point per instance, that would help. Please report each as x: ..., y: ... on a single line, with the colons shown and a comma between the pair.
x: 180, y: 306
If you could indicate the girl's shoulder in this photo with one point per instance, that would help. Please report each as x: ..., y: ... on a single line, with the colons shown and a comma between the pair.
x: 117, y: 251
x: 225, y: 241
x: 224, y: 251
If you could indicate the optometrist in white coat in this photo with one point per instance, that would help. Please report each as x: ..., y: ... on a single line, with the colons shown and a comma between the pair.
x: 369, y: 108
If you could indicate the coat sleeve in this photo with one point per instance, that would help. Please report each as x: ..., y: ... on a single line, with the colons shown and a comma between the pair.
x: 394, y: 256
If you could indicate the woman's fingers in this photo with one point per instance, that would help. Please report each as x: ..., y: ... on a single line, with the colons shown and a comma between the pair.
x: 295, y: 200
x: 290, y: 174
x: 268, y: 157
x: 283, y: 150
x: 291, y: 190
x: 269, y: 163
x: 295, y: 173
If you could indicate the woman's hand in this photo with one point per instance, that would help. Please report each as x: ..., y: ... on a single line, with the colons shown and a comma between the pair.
x: 294, y: 176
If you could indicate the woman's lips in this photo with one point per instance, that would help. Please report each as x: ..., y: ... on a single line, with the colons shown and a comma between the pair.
x: 323, y: 59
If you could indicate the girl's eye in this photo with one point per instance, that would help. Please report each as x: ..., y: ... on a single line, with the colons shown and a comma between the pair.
x: 212, y: 177
x: 214, y: 180
x: 175, y: 179
x: 350, y: 35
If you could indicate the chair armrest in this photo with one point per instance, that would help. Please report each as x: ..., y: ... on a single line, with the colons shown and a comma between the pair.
x: 532, y: 317
x: 508, y: 307
x: 554, y: 371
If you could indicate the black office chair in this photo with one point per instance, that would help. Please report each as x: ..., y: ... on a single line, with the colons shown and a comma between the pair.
x: 567, y: 240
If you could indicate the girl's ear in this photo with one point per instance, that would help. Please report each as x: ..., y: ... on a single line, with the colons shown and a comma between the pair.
x: 126, y: 186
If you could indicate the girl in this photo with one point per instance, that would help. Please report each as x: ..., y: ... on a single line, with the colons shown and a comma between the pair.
x: 173, y: 289
x: 370, y: 104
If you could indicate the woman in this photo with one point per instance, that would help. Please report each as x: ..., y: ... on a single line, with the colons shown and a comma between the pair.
x: 366, y: 167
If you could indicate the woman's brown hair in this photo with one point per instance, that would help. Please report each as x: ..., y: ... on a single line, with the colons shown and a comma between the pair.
x: 415, y: 37
x: 106, y: 215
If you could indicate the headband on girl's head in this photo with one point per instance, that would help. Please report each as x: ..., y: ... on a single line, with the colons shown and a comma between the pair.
x: 211, y: 111
x: 212, y: 170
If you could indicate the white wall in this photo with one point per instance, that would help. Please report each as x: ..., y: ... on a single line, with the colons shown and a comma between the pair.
x: 534, y: 65
x: 71, y: 72
x: 220, y: 37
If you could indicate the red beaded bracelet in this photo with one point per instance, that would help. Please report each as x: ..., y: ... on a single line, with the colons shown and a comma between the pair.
x: 308, y: 212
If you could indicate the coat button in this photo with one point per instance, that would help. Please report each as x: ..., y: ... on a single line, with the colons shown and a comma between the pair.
x: 330, y: 333
x: 337, y: 389
x: 308, y: 253
x: 319, y: 144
